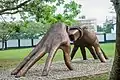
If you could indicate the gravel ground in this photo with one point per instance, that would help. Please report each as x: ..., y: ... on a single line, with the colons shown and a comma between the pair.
x: 60, y: 71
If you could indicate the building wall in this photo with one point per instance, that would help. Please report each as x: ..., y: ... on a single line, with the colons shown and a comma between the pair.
x: 91, y: 23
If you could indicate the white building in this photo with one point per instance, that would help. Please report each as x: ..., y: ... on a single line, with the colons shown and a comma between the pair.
x: 91, y: 23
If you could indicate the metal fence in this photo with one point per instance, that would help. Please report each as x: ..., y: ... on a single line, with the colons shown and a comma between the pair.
x: 20, y: 43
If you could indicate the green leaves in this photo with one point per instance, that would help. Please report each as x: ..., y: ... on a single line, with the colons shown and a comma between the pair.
x: 45, y: 12
x: 72, y: 9
x: 6, y: 29
x: 37, y: 15
x: 108, y: 25
x: 40, y: 10
x: 59, y: 2
x: 32, y: 30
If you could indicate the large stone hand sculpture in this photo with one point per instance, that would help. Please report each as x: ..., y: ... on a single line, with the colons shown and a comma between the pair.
x: 83, y: 37
x: 56, y: 37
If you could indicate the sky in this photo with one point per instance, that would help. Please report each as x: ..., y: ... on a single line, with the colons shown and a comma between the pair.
x: 97, y: 9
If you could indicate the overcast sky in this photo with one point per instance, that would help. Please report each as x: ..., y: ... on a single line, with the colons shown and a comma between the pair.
x: 98, y: 9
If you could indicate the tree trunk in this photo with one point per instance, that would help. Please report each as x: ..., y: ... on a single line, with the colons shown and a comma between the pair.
x: 3, y: 44
x: 115, y: 72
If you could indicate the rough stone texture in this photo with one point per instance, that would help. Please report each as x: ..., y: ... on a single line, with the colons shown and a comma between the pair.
x: 58, y: 70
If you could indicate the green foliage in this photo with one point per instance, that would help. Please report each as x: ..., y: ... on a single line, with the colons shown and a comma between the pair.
x: 30, y: 30
x: 100, y: 29
x: 45, y: 12
x: 72, y: 9
x: 108, y: 25
x: 34, y: 30
x: 6, y: 29
x: 37, y: 15
x: 59, y: 2
x: 40, y: 10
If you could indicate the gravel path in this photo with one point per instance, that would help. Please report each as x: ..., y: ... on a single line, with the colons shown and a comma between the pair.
x: 60, y: 71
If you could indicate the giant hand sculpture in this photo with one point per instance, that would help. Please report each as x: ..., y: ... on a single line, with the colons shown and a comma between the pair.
x: 56, y: 37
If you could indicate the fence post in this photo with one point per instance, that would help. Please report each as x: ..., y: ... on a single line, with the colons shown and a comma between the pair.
x: 105, y: 38
x: 18, y: 43
x: 32, y: 42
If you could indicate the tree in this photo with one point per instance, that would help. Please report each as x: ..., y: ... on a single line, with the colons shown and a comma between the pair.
x: 46, y: 12
x: 99, y: 29
x: 108, y: 25
x: 115, y: 72
x: 11, y: 6
x: 6, y: 30
x: 41, y: 11
x: 34, y: 30
x: 14, y: 6
x: 29, y: 30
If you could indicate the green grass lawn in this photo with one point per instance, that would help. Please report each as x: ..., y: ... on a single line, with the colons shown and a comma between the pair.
x: 108, y: 48
x: 13, y: 56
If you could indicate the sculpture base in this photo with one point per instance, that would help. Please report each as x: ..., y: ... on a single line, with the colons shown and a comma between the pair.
x: 58, y: 70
